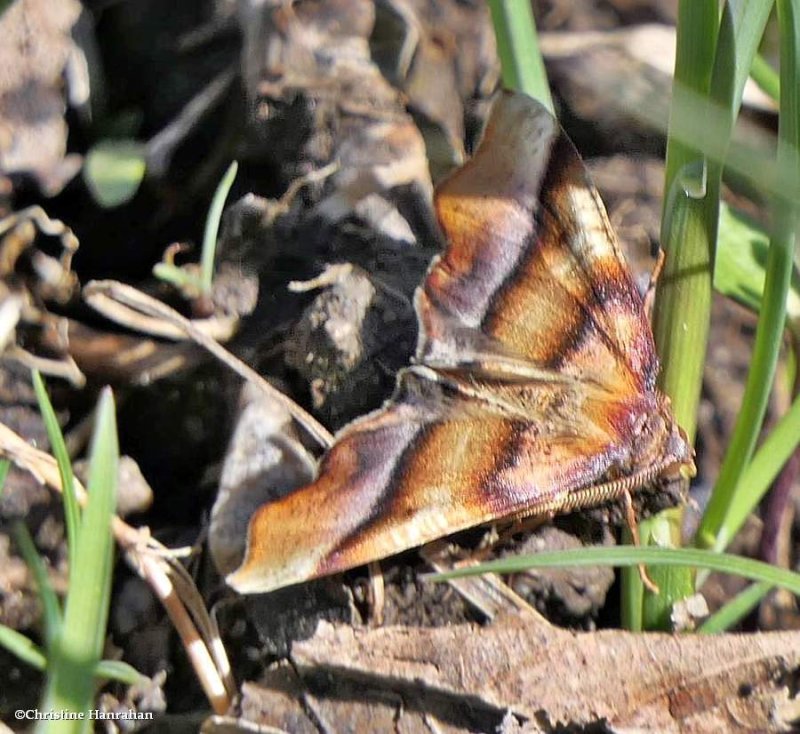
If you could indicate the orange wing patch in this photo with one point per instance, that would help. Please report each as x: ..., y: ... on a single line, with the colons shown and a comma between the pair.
x: 535, y: 379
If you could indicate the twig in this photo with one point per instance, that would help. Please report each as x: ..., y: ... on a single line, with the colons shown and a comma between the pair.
x: 96, y: 290
x: 219, y: 329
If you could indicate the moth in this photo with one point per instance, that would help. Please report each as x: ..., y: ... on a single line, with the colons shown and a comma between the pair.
x: 533, y: 391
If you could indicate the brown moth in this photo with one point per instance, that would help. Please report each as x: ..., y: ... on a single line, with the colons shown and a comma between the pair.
x: 534, y: 385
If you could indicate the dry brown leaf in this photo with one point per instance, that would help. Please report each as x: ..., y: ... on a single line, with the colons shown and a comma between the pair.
x: 443, y: 56
x: 310, y: 78
x: 265, y: 457
x: 36, y: 52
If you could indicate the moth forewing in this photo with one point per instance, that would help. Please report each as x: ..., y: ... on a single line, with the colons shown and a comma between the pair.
x: 534, y: 384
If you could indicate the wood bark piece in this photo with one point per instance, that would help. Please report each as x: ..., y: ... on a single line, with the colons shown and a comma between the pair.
x: 549, y: 678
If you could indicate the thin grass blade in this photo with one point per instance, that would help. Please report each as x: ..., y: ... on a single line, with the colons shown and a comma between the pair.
x: 766, y: 77
x: 119, y: 671
x: 688, y: 229
x: 72, y: 515
x: 5, y: 467
x: 749, y: 18
x: 772, y: 317
x: 518, y: 47
x: 759, y: 474
x: 51, y: 609
x: 70, y: 686
x: 211, y: 231
x: 634, y: 555
x: 24, y: 648
x: 735, y: 610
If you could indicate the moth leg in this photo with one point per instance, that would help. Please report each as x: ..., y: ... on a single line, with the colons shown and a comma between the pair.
x: 498, y: 534
x: 650, y: 293
x: 630, y: 517
x: 490, y: 539
x: 495, y: 536
x: 526, y: 523
x: 376, y: 592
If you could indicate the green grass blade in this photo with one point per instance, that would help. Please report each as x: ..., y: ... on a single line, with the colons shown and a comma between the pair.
x: 70, y: 684
x: 24, y: 648
x: 772, y: 317
x: 683, y: 298
x: 51, y: 609
x: 706, y: 99
x: 674, y: 583
x: 632, y: 556
x: 741, y: 28
x: 747, y: 164
x: 766, y: 77
x: 683, y: 294
x: 735, y: 610
x: 710, y: 72
x: 178, y: 277
x: 5, y: 467
x: 749, y: 18
x: 211, y: 231
x: 759, y: 381
x: 631, y: 588
x: 119, y: 671
x: 740, y: 274
x: 518, y: 47
x: 72, y: 515
x: 759, y: 474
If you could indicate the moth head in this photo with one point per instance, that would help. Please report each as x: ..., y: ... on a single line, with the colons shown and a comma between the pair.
x: 661, y: 441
